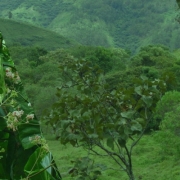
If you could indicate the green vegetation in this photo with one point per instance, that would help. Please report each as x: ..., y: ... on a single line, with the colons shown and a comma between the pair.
x: 92, y: 116
x: 24, y: 152
x: 108, y: 112
x: 41, y: 76
x: 20, y: 34
x: 148, y: 161
x: 127, y: 24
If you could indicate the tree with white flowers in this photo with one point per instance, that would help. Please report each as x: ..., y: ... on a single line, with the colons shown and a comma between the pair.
x: 24, y: 153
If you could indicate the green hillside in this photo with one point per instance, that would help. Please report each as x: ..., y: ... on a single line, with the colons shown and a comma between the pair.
x: 127, y: 109
x: 17, y: 33
x: 127, y: 24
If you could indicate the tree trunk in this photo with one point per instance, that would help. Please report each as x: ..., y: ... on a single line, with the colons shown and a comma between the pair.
x: 130, y: 173
x: 131, y: 176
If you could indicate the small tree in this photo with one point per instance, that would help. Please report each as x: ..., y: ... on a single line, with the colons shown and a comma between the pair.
x: 91, y: 115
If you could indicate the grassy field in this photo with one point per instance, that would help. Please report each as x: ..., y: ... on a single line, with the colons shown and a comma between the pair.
x: 148, y: 161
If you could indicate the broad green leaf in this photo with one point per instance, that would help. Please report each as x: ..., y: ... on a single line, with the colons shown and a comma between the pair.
x: 69, y: 84
x: 147, y: 100
x: 26, y: 131
x: 36, y: 163
x: 138, y: 90
x: 1, y: 91
x: 141, y: 121
x: 110, y: 143
x: 136, y: 127
x: 93, y: 136
x: 144, y: 77
x: 128, y: 114
x: 122, y: 142
x: 26, y: 143
x: 127, y: 131
x: 3, y: 123
x: 47, y: 161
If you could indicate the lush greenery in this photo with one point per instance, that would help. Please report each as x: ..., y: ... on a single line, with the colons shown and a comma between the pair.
x: 127, y: 24
x: 24, y: 153
x: 150, y: 161
x: 89, y: 114
x: 41, y: 76
x: 23, y: 34
x: 119, y: 110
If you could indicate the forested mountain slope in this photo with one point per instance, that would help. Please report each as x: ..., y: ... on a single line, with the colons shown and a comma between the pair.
x: 127, y: 24
x: 16, y: 33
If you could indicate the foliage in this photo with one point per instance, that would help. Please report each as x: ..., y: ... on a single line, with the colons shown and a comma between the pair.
x: 153, y: 61
x: 108, y: 59
x: 84, y: 168
x: 28, y: 35
x: 38, y: 69
x: 168, y: 104
x: 93, y: 116
x: 24, y: 151
x: 127, y: 24
x: 148, y: 160
x: 178, y: 2
x: 168, y: 137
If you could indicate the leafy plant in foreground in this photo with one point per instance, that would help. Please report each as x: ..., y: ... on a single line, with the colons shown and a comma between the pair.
x: 24, y: 152
x: 92, y: 116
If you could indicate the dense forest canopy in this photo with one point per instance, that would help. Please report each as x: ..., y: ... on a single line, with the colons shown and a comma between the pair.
x: 127, y: 24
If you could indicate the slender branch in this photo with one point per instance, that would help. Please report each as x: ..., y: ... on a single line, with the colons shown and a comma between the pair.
x: 34, y: 164
x: 129, y: 156
x: 142, y: 133
x: 41, y: 171
x: 96, y: 153
x: 112, y: 154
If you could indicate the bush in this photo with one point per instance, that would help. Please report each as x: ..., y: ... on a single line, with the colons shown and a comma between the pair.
x: 169, y: 136
x: 168, y: 103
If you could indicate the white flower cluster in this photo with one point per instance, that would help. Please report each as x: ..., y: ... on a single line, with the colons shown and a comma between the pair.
x: 18, y: 114
x: 38, y: 140
x: 14, y: 76
x: 29, y: 117
x: 13, y: 119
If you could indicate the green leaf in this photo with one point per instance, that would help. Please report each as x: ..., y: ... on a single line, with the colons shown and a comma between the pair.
x: 26, y: 131
x: 97, y: 172
x: 3, y: 123
x: 93, y: 136
x: 138, y: 90
x: 26, y: 143
x: 110, y: 143
x: 1, y: 91
x: 144, y: 77
x: 141, y: 121
x: 147, y: 100
x: 122, y: 142
x: 136, y: 127
x: 39, y: 165
x: 69, y: 84
x: 128, y: 114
